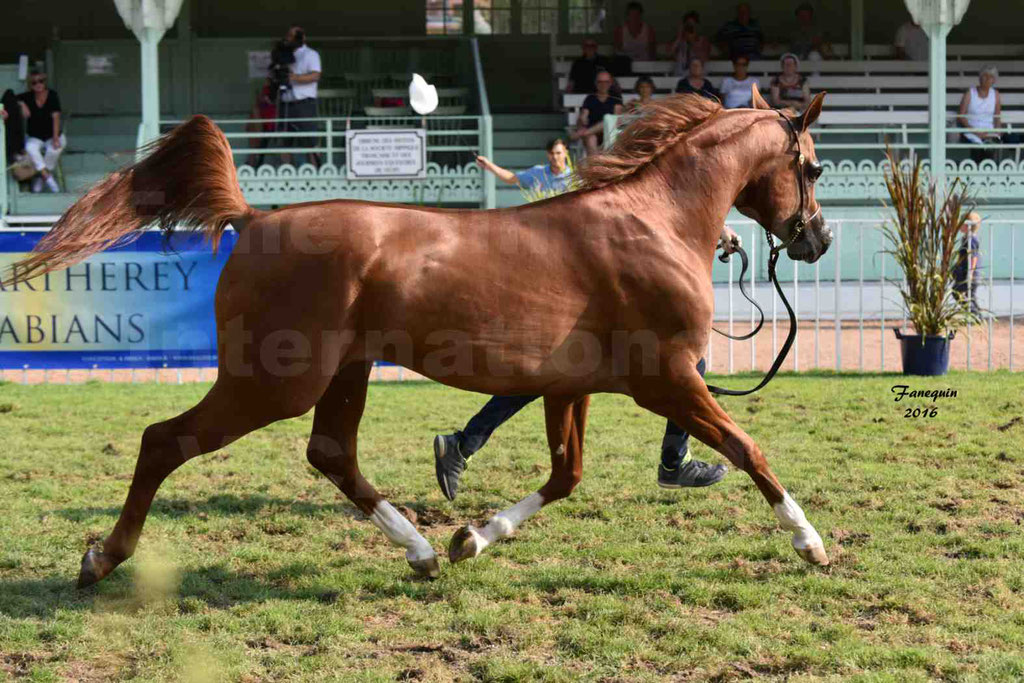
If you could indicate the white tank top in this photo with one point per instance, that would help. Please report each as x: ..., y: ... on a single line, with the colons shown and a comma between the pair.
x: 981, y: 111
x: 636, y: 48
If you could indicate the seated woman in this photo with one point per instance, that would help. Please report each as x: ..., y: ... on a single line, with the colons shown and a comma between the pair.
x: 981, y: 107
x: 789, y: 88
x: 645, y: 89
x: 44, y: 140
x: 695, y: 83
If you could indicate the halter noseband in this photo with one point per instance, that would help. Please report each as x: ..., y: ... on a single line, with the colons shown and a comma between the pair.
x: 801, y: 222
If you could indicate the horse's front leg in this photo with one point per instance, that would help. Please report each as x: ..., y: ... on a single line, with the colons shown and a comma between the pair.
x: 685, y: 399
x: 566, y: 421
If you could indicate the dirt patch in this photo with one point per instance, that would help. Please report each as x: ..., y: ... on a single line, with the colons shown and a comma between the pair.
x: 1015, y: 421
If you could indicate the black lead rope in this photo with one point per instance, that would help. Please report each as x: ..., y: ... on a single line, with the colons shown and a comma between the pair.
x: 724, y: 258
x: 773, y: 258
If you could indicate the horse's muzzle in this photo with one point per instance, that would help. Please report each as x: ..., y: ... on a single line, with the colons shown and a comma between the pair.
x: 813, y: 242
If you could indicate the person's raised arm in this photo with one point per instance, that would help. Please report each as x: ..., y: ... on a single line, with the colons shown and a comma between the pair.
x: 502, y: 173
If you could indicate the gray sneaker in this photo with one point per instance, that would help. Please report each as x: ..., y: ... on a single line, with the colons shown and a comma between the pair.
x: 691, y: 473
x: 448, y: 464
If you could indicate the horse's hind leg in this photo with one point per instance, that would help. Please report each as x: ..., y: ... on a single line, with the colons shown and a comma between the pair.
x: 332, y: 450
x: 566, y: 421
x: 214, y: 422
x: 688, y: 402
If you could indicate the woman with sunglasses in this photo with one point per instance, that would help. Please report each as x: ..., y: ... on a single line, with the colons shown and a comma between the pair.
x: 44, y: 141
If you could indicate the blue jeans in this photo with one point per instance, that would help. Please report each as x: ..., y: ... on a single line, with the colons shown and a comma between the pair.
x: 499, y: 409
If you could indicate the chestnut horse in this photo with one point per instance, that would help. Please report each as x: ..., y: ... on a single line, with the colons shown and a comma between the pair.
x: 605, y: 289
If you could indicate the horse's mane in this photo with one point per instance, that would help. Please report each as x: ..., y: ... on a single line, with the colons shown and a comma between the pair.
x: 659, y: 125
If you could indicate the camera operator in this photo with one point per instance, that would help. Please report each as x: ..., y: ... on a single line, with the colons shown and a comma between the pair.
x: 298, y: 95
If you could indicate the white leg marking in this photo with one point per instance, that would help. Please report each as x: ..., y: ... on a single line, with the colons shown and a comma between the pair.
x: 792, y: 518
x: 507, y: 521
x: 400, y: 531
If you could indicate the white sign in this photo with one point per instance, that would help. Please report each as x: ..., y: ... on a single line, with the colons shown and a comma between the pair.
x: 99, y: 65
x: 259, y: 63
x: 396, y: 153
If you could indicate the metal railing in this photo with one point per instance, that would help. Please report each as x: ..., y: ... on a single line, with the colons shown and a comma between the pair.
x: 839, y: 306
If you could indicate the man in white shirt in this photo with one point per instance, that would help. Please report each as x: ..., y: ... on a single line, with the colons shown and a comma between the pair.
x: 298, y: 101
x: 911, y: 42
x: 736, y: 88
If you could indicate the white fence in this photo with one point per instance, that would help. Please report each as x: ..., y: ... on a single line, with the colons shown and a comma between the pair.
x: 834, y: 300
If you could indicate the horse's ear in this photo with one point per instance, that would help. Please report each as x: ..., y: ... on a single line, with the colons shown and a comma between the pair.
x: 810, y: 115
x: 755, y: 98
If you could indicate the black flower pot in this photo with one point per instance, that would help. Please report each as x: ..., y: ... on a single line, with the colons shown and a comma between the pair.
x: 928, y: 357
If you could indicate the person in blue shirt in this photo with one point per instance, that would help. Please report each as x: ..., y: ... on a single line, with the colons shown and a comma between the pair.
x: 965, y: 269
x: 546, y: 179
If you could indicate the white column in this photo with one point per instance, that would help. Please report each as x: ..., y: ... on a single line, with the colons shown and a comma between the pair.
x: 149, y: 42
x: 856, y: 29
x: 937, y: 102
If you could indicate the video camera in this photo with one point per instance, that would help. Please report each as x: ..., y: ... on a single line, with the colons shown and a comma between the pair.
x: 281, y: 59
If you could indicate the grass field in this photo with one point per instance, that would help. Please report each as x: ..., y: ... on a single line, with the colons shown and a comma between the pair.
x: 253, y: 567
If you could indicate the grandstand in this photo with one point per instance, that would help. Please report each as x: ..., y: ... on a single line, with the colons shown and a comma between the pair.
x: 501, y: 68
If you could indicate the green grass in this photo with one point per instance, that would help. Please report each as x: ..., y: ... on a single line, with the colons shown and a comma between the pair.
x: 253, y: 567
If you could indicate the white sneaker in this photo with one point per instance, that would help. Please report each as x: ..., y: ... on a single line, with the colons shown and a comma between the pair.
x: 37, y: 184
x: 51, y: 184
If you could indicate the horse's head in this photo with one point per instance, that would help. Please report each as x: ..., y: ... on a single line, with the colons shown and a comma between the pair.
x: 780, y: 193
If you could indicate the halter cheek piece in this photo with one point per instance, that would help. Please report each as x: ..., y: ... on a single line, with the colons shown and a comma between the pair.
x: 801, y: 222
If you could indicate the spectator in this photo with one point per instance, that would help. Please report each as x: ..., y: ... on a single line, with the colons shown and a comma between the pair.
x: 298, y: 101
x: 741, y: 36
x: 44, y: 140
x: 584, y: 70
x: 635, y: 38
x: 695, y: 83
x: 544, y: 179
x: 590, y: 124
x: 736, y: 89
x: 965, y: 271
x: 911, y: 42
x: 789, y: 88
x: 689, y: 43
x: 807, y: 42
x: 14, y: 126
x: 264, y: 109
x: 981, y: 107
x: 645, y: 89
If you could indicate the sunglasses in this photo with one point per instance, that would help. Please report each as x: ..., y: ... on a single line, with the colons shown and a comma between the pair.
x: 37, y: 81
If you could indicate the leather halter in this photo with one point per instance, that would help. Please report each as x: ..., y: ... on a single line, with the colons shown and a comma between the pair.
x: 773, y: 258
x: 801, y: 222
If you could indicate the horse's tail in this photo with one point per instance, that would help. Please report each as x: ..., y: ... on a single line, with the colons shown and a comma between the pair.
x: 186, y: 179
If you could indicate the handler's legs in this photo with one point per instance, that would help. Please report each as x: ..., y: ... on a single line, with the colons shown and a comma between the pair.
x: 452, y: 451
x: 686, y: 400
x: 566, y: 421
x: 332, y: 450
x: 678, y: 469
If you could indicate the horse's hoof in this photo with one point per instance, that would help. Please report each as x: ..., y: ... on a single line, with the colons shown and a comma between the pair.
x: 466, y: 543
x: 814, y: 554
x: 96, y: 564
x: 429, y: 568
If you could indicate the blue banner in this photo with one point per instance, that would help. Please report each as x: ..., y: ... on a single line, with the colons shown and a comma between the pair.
x: 145, y: 305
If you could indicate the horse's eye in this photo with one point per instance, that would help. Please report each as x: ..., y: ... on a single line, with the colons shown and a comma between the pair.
x: 814, y: 170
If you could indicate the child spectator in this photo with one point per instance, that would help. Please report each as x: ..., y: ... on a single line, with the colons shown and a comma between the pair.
x: 689, y: 44
x: 965, y: 272
x: 695, y: 83
x: 736, y: 89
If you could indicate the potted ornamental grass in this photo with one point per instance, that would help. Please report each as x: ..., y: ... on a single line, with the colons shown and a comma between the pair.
x: 923, y: 238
